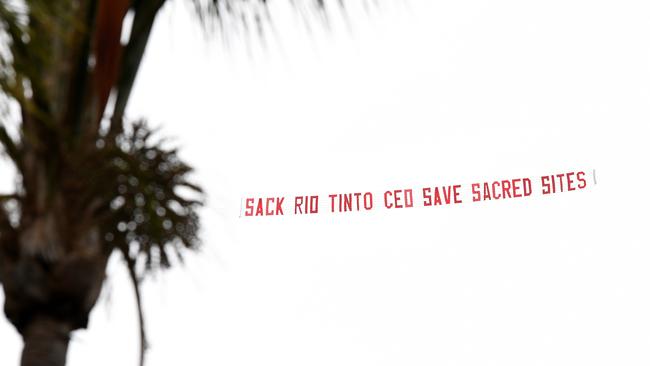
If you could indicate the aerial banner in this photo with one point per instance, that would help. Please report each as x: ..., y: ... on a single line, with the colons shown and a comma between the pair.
x: 426, y: 196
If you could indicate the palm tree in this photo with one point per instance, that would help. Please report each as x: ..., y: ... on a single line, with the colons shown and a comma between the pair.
x: 89, y: 182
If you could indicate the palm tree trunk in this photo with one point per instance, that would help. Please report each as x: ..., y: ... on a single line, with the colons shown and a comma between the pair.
x: 46, y: 343
x: 50, y: 289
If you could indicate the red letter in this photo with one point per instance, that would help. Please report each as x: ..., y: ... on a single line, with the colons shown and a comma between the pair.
x: 347, y: 202
x: 426, y: 192
x: 515, y: 188
x: 278, y: 205
x: 494, y: 190
x: 367, y: 201
x: 409, y: 198
x: 313, y: 204
x: 581, y: 179
x: 476, y: 194
x: 527, y: 187
x: 569, y: 181
x: 268, y: 204
x: 546, y: 189
x: 486, y: 192
x: 506, y: 188
x: 386, y: 194
x: 249, y: 206
x: 561, y: 176
x: 398, y: 197
x: 332, y: 196
x: 260, y: 209
x: 297, y: 206
x: 456, y: 199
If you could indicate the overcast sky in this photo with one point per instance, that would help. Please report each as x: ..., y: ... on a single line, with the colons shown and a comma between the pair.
x: 407, y: 95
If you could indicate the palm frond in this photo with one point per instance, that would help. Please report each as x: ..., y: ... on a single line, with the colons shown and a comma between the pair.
x: 135, y: 281
x: 145, y: 12
x: 9, y: 146
x: 148, y: 214
x: 147, y: 207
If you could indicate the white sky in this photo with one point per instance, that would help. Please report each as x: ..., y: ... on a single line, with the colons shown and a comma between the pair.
x: 426, y: 93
